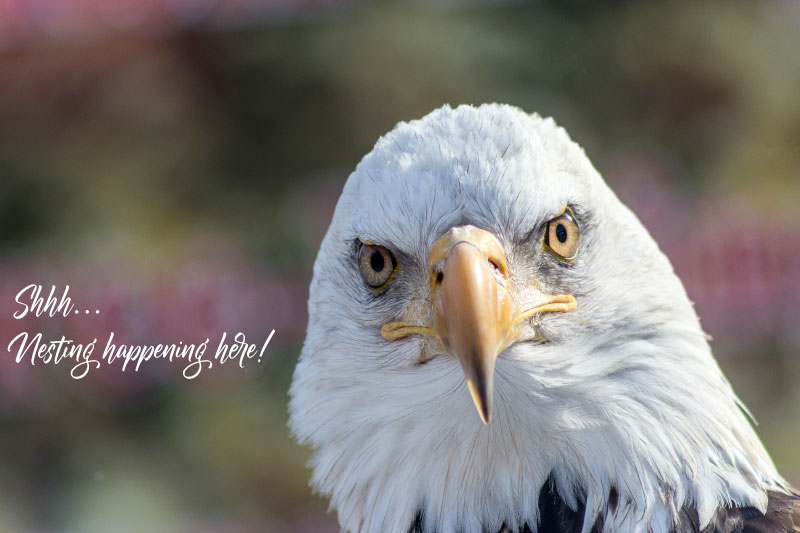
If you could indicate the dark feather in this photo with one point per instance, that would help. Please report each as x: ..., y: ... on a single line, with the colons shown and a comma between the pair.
x: 782, y: 516
x: 556, y: 517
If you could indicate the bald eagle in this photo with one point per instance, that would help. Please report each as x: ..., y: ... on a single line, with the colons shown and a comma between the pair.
x: 477, y: 260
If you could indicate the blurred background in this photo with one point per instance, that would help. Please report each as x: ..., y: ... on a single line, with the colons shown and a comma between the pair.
x: 176, y: 162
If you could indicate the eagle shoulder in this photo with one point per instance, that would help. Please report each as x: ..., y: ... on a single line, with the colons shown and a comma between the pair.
x: 782, y: 516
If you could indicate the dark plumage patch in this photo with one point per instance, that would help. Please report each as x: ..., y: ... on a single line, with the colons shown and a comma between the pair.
x: 416, y: 525
x: 555, y: 516
x: 782, y: 516
x: 613, y: 500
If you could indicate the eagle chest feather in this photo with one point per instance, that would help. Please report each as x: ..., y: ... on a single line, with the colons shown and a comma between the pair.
x: 782, y: 516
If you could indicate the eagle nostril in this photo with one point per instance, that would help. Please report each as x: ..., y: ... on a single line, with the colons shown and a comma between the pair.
x: 496, y: 266
x: 437, y: 276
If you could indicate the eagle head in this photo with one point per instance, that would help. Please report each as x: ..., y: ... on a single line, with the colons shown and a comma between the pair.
x: 488, y: 321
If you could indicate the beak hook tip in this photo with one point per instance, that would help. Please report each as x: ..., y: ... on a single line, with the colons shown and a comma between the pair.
x: 481, y: 396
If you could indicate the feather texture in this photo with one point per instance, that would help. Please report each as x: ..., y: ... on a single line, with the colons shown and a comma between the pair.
x: 621, y: 396
x: 782, y: 516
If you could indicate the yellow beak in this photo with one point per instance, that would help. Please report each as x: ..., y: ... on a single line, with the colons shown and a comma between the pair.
x: 473, y: 310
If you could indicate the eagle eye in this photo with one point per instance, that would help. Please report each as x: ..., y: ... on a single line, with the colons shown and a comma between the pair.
x: 561, y: 236
x: 377, y: 265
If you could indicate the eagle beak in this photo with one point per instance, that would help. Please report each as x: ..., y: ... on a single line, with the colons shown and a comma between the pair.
x: 474, y: 314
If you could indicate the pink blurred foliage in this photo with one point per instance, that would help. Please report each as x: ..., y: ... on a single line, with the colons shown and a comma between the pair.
x: 742, y: 269
x: 739, y: 263
x: 26, y: 21
x: 187, y: 300
x: 20, y: 384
